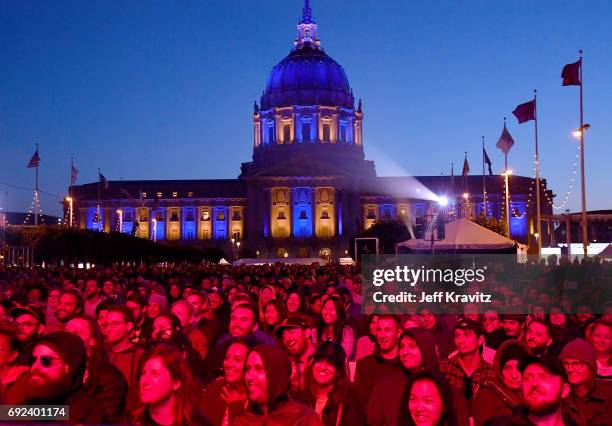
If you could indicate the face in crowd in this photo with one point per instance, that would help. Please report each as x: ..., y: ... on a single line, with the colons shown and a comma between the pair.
x: 295, y: 340
x: 511, y: 376
x: 81, y: 328
x: 328, y: 312
x: 409, y: 354
x: 271, y: 314
x: 48, y: 372
x: 153, y: 310
x: 118, y: 328
x: 387, y: 333
x: 108, y: 288
x: 294, y: 303
x: 91, y: 289
x: 162, y: 327
x: 53, y: 299
x: 601, y: 338
x: 425, y: 403
x: 537, y: 337
x: 137, y: 309
x: 578, y: 372
x: 67, y: 307
x: 156, y: 383
x: 428, y: 319
x: 200, y: 304
x: 233, y: 363
x: 324, y: 373
x: 557, y: 317
x: 183, y: 312
x: 542, y: 390
x: 511, y: 327
x: 490, y: 321
x: 466, y: 341
x: 242, y: 322
x: 28, y: 328
x: 255, y: 379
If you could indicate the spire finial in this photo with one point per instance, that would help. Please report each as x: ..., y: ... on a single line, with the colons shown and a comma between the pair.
x: 306, y: 13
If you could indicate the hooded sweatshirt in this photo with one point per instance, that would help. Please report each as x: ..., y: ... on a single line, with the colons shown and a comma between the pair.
x: 493, y: 397
x: 281, y: 410
x: 385, y: 399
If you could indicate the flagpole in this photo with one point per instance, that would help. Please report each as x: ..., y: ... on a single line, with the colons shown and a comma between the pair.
x: 36, y: 203
x: 99, y: 215
x: 537, y: 172
x: 585, y: 239
x: 484, y: 190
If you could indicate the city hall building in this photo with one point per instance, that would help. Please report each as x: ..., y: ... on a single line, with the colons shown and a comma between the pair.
x: 308, y: 188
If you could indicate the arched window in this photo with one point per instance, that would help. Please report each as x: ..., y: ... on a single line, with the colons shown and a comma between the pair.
x: 270, y: 132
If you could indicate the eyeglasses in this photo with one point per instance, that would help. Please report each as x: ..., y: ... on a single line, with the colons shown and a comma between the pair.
x: 575, y: 365
x: 45, y: 360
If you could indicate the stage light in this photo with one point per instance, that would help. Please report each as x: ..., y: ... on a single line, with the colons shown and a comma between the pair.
x: 443, y: 201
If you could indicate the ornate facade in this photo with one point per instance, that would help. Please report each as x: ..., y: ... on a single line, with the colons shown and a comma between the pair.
x: 308, y: 188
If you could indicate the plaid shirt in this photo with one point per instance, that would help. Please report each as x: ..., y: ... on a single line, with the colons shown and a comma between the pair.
x: 457, y: 378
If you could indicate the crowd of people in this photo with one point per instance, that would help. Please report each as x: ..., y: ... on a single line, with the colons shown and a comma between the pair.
x: 288, y: 345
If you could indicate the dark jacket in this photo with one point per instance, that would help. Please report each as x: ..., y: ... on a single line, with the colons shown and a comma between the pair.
x: 280, y: 410
x: 520, y: 419
x: 213, y: 407
x: 369, y: 369
x: 595, y: 409
x: 336, y: 413
x: 108, y: 388
x: 143, y: 418
x: 127, y: 362
x: 384, y: 402
x: 493, y: 397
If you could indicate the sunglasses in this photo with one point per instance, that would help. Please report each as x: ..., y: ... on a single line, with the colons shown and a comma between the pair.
x: 45, y: 360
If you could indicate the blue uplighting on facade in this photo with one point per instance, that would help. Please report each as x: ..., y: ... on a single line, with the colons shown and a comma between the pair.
x: 189, y: 223
x: 160, y: 216
x: 387, y: 211
x: 220, y: 222
x: 518, y: 219
x: 302, y: 212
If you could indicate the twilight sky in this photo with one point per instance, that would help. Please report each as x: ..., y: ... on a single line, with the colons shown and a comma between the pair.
x: 164, y: 90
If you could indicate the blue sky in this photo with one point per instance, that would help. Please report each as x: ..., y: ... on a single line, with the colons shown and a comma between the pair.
x: 164, y: 90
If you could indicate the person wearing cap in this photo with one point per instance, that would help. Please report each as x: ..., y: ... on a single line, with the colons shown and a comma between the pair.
x: 55, y: 377
x: 501, y: 394
x: 544, y: 387
x: 294, y: 335
x: 328, y: 389
x: 30, y: 321
x: 590, y: 400
x: 468, y: 369
x: 266, y: 378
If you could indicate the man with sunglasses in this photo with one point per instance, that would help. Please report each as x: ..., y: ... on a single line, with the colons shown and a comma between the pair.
x: 55, y: 376
x: 590, y: 400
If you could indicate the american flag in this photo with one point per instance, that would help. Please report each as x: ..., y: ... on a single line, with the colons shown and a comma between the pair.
x: 35, y: 160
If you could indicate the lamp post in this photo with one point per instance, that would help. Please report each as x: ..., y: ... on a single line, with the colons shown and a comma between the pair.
x: 154, y: 230
x: 579, y: 134
x: 238, y: 248
x: 120, y: 213
x: 506, y: 175
x: 69, y: 200
x: 466, y: 205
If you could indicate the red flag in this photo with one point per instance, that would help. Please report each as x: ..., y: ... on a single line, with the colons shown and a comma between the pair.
x: 35, y: 160
x: 525, y: 112
x: 571, y: 74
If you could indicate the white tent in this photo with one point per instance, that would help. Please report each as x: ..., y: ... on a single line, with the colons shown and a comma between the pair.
x: 223, y: 262
x: 606, y: 253
x: 286, y: 260
x: 461, y: 235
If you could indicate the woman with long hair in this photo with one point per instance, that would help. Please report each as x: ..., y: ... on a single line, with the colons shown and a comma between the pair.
x: 427, y: 401
x: 166, y: 390
x: 332, y: 325
x: 273, y: 314
x: 328, y: 390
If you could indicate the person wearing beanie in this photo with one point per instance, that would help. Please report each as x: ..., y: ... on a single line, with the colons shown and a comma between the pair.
x: 501, y: 394
x: 157, y: 305
x: 590, y: 401
x: 328, y: 389
x: 266, y: 378
x: 55, y: 377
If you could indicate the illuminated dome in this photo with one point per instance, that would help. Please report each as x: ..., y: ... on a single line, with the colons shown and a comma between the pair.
x: 307, y: 76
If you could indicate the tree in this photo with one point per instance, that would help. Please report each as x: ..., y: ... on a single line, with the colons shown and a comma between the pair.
x: 388, y: 231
